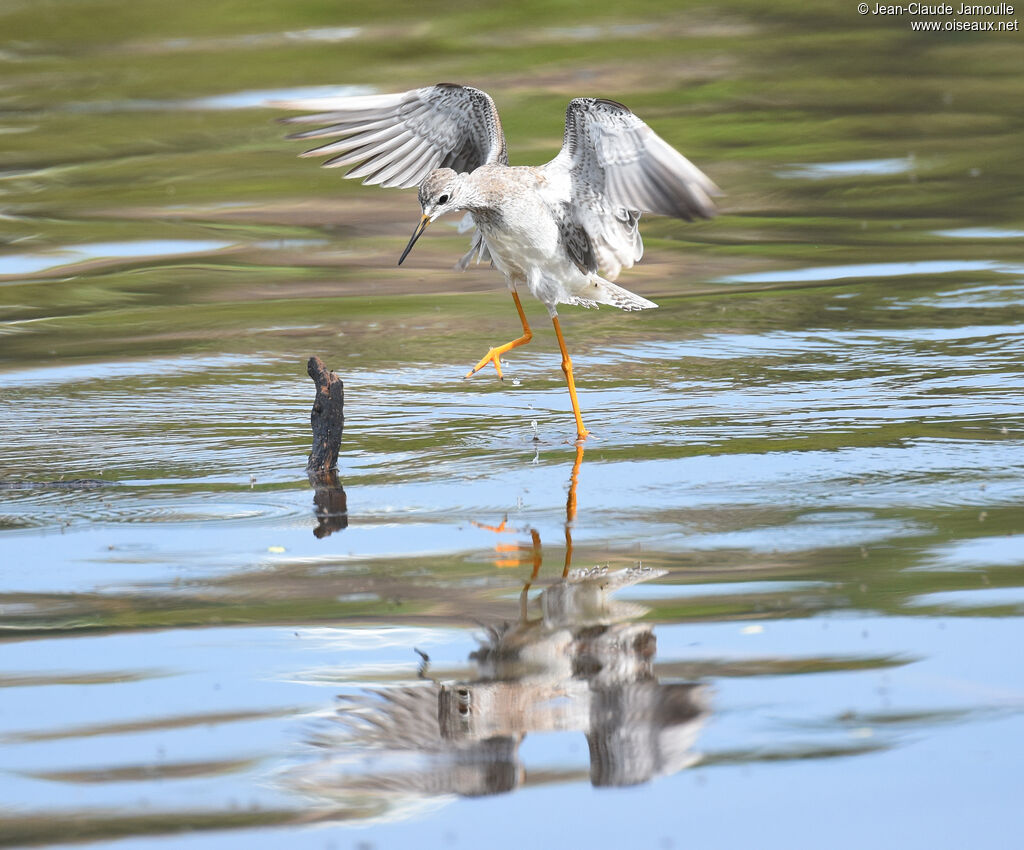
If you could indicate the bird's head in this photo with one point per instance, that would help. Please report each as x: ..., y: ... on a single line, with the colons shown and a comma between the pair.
x: 439, y: 194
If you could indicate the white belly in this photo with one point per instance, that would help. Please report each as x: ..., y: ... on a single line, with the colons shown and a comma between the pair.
x: 529, y: 250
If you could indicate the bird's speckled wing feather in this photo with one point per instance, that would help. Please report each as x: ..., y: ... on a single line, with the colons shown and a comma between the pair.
x: 398, y: 139
x: 618, y: 167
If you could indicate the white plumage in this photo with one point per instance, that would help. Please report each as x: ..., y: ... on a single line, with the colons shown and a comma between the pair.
x: 565, y: 229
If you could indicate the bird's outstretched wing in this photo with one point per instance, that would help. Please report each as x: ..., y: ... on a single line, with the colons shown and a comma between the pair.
x: 618, y: 167
x: 398, y: 139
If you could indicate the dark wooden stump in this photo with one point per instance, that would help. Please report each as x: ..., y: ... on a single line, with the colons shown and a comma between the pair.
x: 328, y: 423
x: 327, y: 418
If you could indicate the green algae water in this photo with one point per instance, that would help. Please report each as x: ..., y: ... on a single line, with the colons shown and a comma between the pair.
x: 777, y: 600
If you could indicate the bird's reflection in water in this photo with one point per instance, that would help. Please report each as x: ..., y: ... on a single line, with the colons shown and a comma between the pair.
x: 579, y: 664
x: 329, y: 502
x: 574, y: 660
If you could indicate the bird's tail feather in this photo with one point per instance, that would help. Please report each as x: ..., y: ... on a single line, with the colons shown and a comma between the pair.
x: 597, y: 290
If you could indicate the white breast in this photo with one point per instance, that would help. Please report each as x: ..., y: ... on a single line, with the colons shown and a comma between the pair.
x: 524, y: 241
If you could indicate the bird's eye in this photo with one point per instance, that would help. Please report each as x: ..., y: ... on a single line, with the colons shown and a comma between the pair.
x: 443, y: 199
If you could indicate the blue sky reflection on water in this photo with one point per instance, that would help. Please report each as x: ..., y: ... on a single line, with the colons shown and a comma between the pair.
x: 773, y: 715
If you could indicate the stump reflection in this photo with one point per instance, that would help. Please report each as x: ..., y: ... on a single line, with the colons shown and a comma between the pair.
x: 329, y: 503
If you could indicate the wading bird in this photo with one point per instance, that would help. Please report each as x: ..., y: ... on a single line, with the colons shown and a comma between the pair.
x: 564, y: 230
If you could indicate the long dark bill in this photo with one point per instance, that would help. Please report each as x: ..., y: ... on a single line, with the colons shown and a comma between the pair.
x: 419, y: 232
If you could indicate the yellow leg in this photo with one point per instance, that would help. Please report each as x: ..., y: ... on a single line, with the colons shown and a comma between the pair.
x: 494, y: 355
x: 581, y: 432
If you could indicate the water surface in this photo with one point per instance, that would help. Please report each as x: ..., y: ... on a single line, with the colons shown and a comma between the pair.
x: 778, y: 594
